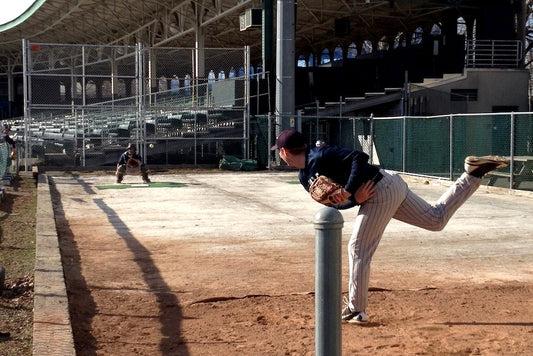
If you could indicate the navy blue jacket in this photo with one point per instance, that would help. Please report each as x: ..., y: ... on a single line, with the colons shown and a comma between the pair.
x: 347, y: 167
x: 124, y: 157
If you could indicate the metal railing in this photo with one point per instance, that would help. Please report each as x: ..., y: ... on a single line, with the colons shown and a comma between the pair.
x: 493, y: 54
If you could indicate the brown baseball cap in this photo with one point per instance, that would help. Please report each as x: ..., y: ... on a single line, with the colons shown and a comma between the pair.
x: 289, y: 139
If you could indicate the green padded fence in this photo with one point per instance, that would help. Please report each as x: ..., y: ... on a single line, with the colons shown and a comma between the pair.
x: 5, y: 161
x: 431, y: 145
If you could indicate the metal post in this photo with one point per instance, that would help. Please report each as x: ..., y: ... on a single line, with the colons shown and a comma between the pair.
x: 246, y: 118
x: 371, y: 148
x: 354, y: 138
x: 285, y: 63
x: 140, y: 76
x: 27, y: 100
x: 84, y: 103
x: 404, y: 144
x: 328, y: 235
x: 451, y: 138
x: 512, y: 143
x: 269, y: 140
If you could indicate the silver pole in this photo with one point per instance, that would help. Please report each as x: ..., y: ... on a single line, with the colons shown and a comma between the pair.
x: 246, y: 138
x: 328, y: 235
x: 404, y: 144
x: 140, y: 96
x: 27, y: 100
x: 451, y: 147
x: 354, y: 139
x: 511, y: 165
x: 84, y: 103
x: 269, y: 140
x: 371, y: 148
x: 285, y: 63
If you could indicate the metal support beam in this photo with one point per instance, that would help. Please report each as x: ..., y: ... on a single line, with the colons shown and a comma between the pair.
x: 285, y: 63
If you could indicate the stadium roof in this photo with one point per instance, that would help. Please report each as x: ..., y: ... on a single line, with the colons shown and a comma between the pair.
x: 172, y: 23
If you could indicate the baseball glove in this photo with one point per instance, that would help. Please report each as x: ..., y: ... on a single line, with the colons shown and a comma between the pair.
x: 132, y: 163
x: 327, y: 192
x: 13, y: 156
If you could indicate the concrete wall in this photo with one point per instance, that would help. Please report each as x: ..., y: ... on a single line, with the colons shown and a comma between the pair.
x: 495, y: 88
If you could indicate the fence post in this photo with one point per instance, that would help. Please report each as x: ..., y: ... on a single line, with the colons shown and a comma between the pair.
x: 451, y: 138
x: 404, y: 144
x: 512, y: 152
x: 328, y: 235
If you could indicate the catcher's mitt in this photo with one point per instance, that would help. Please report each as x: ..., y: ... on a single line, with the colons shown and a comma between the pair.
x: 327, y: 192
x: 132, y: 163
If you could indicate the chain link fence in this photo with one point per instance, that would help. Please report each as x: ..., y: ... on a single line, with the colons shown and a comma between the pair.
x: 85, y: 103
x: 189, y: 106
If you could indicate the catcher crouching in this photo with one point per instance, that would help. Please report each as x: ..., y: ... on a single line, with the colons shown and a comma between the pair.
x: 130, y: 159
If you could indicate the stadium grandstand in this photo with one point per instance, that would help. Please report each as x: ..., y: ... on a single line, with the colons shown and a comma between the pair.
x: 194, y: 81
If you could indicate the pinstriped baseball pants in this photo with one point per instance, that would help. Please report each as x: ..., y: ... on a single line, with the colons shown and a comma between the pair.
x: 395, y: 200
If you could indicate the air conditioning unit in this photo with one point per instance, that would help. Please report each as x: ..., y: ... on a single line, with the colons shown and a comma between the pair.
x: 252, y: 18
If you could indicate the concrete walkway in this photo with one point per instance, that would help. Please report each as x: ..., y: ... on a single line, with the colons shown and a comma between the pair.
x: 490, y: 238
x: 52, y: 331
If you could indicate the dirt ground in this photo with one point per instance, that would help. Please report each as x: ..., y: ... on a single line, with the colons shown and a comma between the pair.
x: 173, y: 271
